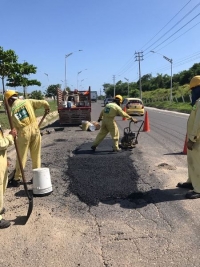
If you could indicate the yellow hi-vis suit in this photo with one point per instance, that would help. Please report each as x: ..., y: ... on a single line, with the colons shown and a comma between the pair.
x: 193, y: 156
x: 5, y: 142
x: 109, y: 125
x: 28, y: 137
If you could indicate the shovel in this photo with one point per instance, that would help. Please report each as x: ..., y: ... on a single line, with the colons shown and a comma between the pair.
x: 52, y: 130
x: 49, y: 131
x: 42, y: 119
x: 30, y: 197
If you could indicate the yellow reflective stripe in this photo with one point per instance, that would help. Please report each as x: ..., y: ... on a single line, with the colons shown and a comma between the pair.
x: 21, y: 104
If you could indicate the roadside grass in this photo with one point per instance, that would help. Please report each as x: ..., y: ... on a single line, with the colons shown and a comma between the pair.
x: 158, y: 99
x: 180, y: 107
x: 39, y: 112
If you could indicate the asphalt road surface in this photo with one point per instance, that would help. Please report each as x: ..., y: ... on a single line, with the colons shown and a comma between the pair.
x: 108, y: 209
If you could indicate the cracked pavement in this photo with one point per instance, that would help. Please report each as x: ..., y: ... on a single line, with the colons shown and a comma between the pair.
x: 106, y: 209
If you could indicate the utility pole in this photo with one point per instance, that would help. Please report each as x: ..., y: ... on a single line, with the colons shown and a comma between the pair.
x: 114, y: 84
x: 139, y: 57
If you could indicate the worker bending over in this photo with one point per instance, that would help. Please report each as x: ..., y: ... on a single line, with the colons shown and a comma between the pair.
x: 109, y: 125
x: 29, y: 137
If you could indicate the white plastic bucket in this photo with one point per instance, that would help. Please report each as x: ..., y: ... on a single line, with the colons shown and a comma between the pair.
x: 41, y: 182
x: 92, y: 127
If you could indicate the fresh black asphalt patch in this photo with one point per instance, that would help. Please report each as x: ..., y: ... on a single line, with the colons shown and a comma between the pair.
x: 110, y: 177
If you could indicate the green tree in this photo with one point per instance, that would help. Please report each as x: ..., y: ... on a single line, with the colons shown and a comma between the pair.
x: 8, y: 62
x: 19, y: 77
x: 52, y: 91
x: 36, y: 95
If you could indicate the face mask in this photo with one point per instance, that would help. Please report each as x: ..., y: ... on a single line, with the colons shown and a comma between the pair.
x: 195, y: 94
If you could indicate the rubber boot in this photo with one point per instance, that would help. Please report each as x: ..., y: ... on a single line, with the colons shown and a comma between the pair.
x: 4, y: 224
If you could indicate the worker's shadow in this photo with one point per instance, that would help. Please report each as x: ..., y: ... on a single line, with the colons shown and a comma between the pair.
x: 22, y: 193
x: 140, y: 199
x: 20, y: 220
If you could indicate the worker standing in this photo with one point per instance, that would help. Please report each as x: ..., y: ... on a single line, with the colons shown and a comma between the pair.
x: 5, y: 142
x: 109, y: 125
x: 193, y: 143
x: 29, y: 137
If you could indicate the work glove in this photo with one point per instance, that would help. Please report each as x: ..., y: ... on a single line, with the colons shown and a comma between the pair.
x: 190, y: 144
x: 13, y: 132
x: 134, y: 120
x: 47, y: 110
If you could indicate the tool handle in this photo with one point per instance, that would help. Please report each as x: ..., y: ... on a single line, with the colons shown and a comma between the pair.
x: 40, y: 123
x: 139, y: 130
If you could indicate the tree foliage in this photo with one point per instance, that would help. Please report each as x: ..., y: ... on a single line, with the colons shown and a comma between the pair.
x: 15, y: 74
x: 52, y: 91
x: 36, y: 95
x: 150, y: 83
x: 8, y: 62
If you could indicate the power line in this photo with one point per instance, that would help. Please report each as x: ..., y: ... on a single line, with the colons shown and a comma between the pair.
x: 126, y: 66
x: 179, y: 36
x: 182, y: 61
x: 166, y: 24
x: 177, y: 30
x: 130, y: 62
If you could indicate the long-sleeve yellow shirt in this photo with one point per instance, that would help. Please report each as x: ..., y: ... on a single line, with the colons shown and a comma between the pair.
x: 193, y: 124
x: 5, y: 142
x: 111, y: 110
x: 23, y: 111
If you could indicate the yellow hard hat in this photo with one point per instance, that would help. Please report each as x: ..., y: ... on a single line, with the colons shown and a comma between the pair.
x: 9, y: 94
x: 119, y: 97
x: 195, y: 81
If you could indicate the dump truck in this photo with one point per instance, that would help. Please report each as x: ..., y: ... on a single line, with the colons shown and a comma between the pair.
x: 74, y: 107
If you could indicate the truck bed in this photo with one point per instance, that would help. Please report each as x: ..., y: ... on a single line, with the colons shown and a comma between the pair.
x: 74, y: 115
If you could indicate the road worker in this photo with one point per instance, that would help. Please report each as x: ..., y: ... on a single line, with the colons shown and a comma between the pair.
x: 109, y: 125
x: 28, y: 138
x: 193, y: 143
x: 5, y: 142
x: 76, y: 97
x: 65, y: 95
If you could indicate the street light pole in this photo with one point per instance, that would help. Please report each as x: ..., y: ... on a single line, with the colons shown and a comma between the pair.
x: 171, y: 62
x: 47, y: 79
x: 77, y: 76
x: 66, y: 56
x: 128, y: 84
x: 62, y: 83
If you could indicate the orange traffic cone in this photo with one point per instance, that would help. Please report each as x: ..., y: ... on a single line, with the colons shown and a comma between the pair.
x: 185, y: 146
x: 146, y: 127
x: 124, y: 109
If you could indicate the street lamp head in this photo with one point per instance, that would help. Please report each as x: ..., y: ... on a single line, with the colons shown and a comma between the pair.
x: 126, y: 79
x: 152, y: 51
x: 68, y: 55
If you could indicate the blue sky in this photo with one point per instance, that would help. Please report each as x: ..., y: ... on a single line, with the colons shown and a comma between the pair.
x: 109, y: 32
